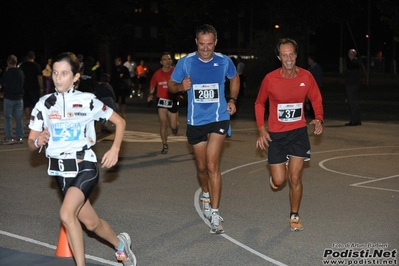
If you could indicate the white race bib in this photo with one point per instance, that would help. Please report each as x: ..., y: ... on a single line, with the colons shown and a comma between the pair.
x: 289, y: 112
x: 63, y: 167
x: 206, y: 93
x: 166, y: 103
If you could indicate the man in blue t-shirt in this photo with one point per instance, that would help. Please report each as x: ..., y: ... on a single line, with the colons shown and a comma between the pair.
x: 202, y: 74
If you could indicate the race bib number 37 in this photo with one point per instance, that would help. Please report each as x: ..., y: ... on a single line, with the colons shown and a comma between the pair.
x: 62, y: 167
x: 206, y: 93
x: 289, y: 112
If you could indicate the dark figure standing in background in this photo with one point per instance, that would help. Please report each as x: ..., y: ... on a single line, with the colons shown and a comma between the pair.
x: 121, y: 83
x: 317, y: 72
x: 33, y: 85
x: 88, y: 78
x: 105, y: 93
x: 352, y: 87
x: 11, y: 84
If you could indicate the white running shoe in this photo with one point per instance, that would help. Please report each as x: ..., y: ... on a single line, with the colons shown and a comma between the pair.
x: 126, y: 256
x: 216, y: 227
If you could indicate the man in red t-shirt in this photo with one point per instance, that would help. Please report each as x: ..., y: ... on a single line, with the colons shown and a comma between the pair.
x: 167, y: 103
x: 287, y: 138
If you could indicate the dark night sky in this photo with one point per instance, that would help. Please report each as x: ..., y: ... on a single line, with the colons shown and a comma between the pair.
x: 22, y: 31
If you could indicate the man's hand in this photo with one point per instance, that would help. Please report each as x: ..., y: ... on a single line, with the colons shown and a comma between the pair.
x: 263, y: 139
x: 318, y: 126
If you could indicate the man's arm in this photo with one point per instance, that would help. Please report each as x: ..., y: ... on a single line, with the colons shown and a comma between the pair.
x: 175, y: 87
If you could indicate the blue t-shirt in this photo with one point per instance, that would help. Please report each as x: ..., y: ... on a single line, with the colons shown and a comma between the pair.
x: 206, y: 98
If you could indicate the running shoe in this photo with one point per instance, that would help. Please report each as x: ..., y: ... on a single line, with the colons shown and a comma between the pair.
x: 165, y: 149
x: 7, y: 142
x: 126, y: 256
x: 19, y: 141
x: 206, y: 207
x: 295, y: 223
x: 216, y: 227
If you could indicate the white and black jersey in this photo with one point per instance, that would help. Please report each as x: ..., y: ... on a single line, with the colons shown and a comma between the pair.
x: 70, y: 119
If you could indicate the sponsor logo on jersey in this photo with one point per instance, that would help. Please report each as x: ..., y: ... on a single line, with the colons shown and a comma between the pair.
x: 54, y: 115
x: 77, y: 105
x: 80, y: 114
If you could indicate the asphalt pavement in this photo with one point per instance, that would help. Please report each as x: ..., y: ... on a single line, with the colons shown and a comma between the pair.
x: 349, y: 210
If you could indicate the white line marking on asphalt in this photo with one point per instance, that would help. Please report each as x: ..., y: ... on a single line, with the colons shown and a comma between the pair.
x: 33, y: 241
x: 199, y: 211
x: 360, y: 184
x: 321, y: 164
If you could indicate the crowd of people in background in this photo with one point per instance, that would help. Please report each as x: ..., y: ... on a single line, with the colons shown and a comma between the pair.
x: 123, y: 80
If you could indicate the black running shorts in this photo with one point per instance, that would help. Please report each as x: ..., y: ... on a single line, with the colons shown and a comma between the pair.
x: 86, y: 179
x: 289, y: 143
x: 197, y: 134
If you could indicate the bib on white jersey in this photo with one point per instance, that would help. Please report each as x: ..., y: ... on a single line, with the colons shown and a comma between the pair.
x: 289, y: 112
x: 66, y: 167
x: 206, y: 93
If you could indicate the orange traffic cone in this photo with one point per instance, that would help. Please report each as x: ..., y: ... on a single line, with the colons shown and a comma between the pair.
x: 63, y: 249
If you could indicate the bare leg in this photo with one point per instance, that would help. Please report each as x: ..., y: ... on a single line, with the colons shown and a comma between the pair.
x: 100, y: 227
x: 73, y: 202
x: 207, y: 155
x: 173, y: 120
x: 202, y: 171
x: 279, y: 173
x: 295, y: 167
x: 213, y: 153
x: 163, y: 121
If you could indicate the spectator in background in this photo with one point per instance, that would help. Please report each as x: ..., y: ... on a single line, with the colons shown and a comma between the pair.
x: 88, y: 78
x: 33, y: 85
x: 316, y: 70
x: 47, y: 74
x: 105, y: 93
x: 317, y: 73
x: 352, y: 87
x: 98, y: 69
x: 120, y: 82
x: 11, y: 84
x: 132, y: 66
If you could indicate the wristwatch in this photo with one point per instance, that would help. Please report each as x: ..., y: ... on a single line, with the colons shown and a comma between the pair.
x: 234, y: 99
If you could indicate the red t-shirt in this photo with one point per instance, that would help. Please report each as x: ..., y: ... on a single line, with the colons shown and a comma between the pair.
x: 160, y: 81
x: 286, y: 100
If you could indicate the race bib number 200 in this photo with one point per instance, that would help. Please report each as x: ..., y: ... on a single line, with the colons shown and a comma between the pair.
x: 62, y: 167
x: 289, y: 112
x: 206, y: 93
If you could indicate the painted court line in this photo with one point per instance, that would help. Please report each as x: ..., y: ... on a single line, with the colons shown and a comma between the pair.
x: 199, y: 211
x: 321, y: 164
x: 46, y: 245
x: 361, y: 184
